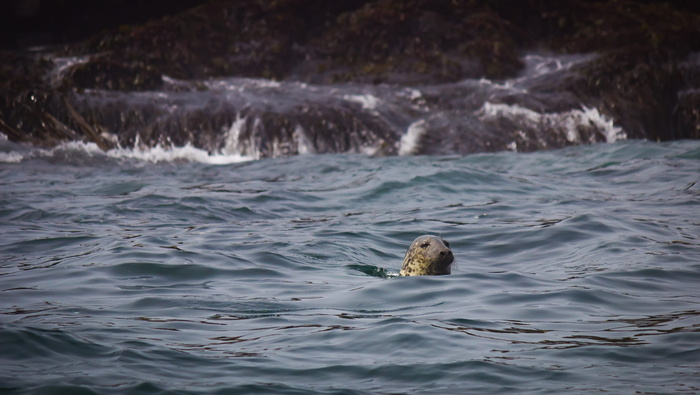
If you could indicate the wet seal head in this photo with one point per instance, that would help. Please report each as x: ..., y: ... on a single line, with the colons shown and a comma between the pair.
x: 428, y: 255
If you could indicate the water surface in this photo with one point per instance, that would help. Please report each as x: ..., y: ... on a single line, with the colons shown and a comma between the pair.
x: 577, y: 272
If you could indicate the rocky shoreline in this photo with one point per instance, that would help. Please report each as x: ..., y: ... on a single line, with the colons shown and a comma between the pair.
x: 645, y: 74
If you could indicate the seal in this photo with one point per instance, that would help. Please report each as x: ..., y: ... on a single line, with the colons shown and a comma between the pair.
x: 428, y: 255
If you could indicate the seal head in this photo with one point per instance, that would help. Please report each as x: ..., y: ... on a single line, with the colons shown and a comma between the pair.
x: 428, y: 255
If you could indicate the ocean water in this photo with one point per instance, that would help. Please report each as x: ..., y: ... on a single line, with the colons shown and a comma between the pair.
x: 177, y: 272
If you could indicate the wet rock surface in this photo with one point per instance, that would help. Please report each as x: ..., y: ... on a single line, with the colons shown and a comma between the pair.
x: 357, y: 75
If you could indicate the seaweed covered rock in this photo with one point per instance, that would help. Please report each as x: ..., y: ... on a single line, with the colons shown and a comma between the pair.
x: 415, y: 42
x: 318, y: 41
x: 101, y: 73
x: 643, y: 71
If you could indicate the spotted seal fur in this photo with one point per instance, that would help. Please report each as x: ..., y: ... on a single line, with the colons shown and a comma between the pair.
x: 428, y: 255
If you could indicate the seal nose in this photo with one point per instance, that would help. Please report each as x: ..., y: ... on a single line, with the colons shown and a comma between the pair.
x: 446, y: 253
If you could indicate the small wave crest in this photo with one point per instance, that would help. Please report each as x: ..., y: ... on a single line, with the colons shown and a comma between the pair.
x: 11, y: 157
x: 186, y: 153
x: 79, y: 151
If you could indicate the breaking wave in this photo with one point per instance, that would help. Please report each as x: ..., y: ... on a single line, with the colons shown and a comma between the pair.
x: 231, y: 120
x: 76, y: 151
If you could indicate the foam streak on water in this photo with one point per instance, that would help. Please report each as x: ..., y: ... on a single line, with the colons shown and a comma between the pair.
x: 577, y: 272
x: 74, y: 150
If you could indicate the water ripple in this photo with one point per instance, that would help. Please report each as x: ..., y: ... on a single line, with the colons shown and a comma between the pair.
x: 577, y: 272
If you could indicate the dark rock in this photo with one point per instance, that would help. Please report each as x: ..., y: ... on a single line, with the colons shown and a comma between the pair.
x: 28, y: 23
x: 101, y: 73
x: 413, y: 42
x: 382, y: 41
x: 645, y: 75
x: 636, y: 88
x: 686, y: 120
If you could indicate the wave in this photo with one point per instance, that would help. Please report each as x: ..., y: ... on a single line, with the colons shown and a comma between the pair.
x: 228, y: 120
x: 571, y: 124
x: 78, y: 152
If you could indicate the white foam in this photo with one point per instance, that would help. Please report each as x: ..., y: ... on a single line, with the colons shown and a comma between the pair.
x: 568, y: 120
x: 236, y: 145
x: 11, y: 157
x: 415, y: 97
x: 263, y: 83
x: 612, y: 133
x: 232, y: 137
x: 240, y: 84
x: 304, y: 145
x: 62, y: 64
x: 490, y: 111
x: 172, y: 154
x: 368, y: 102
x: 537, y: 65
x: 507, y: 85
x: 409, y: 141
x: 188, y: 153
x: 415, y: 94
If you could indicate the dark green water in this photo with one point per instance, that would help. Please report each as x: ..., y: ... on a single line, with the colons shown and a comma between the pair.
x: 578, y: 271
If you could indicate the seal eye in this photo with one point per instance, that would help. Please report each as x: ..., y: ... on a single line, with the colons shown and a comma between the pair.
x: 425, y: 245
x: 446, y: 243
